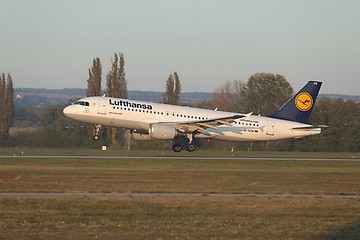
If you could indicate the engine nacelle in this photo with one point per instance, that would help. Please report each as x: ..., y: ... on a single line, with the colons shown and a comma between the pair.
x: 162, y: 131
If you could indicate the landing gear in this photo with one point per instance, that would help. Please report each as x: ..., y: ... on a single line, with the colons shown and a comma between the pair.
x: 96, y: 131
x: 177, y: 148
x: 191, y: 147
x: 179, y: 142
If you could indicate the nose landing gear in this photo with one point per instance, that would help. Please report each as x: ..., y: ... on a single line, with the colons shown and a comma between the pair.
x: 96, y: 131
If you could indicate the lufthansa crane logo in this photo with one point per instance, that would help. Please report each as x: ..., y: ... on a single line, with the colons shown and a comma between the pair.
x: 303, y: 101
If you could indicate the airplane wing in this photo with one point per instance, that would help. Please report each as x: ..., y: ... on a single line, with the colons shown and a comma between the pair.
x: 202, y: 125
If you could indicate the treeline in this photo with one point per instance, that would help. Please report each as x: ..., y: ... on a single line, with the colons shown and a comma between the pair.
x: 342, y: 117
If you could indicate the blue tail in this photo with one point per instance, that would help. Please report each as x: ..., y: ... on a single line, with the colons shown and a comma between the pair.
x: 299, y: 107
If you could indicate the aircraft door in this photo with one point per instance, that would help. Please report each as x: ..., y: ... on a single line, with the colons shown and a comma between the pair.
x: 102, y: 106
x: 270, y: 127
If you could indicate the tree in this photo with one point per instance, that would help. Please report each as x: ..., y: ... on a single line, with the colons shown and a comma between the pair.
x: 6, y: 103
x: 116, y: 86
x: 172, y: 89
x: 266, y: 92
x: 94, y: 83
x: 229, y: 96
x: 94, y: 80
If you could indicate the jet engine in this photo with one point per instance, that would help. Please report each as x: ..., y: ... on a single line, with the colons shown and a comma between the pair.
x: 162, y: 131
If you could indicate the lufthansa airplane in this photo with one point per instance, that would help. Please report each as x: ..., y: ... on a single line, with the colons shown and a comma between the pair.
x: 148, y: 120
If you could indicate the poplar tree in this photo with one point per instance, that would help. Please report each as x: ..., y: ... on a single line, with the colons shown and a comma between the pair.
x: 6, y: 103
x: 116, y: 86
x: 94, y: 80
x: 172, y: 89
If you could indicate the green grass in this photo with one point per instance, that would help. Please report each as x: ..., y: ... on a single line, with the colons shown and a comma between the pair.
x: 171, y: 175
x: 81, y: 218
x: 179, y: 218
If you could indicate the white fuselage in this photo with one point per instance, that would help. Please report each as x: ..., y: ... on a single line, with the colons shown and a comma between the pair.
x: 131, y: 114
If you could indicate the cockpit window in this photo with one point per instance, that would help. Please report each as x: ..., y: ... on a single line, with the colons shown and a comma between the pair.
x: 82, y: 103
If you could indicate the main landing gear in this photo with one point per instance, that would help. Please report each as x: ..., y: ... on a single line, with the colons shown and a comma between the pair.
x: 96, y: 131
x: 176, y: 147
x: 188, y: 141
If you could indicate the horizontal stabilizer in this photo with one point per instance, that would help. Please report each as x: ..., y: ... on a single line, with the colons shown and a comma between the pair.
x: 310, y: 127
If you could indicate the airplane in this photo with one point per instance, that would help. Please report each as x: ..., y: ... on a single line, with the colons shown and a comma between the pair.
x: 148, y: 120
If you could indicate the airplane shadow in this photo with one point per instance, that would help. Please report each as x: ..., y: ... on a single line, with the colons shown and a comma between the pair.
x: 351, y: 231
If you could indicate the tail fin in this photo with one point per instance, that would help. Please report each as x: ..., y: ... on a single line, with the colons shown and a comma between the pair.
x: 299, y: 107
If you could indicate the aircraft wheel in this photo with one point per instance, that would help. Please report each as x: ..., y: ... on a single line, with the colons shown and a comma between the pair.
x: 177, y: 148
x: 191, y: 147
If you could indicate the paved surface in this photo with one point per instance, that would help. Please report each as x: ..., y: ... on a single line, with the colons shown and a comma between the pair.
x: 181, y: 157
x: 177, y: 195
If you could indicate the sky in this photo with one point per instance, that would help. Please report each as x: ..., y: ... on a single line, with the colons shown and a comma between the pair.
x: 51, y: 44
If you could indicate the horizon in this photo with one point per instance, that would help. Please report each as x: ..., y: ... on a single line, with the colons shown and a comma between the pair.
x: 131, y: 90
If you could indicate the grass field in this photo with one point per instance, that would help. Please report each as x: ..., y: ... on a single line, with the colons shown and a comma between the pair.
x: 75, y: 218
x: 179, y: 218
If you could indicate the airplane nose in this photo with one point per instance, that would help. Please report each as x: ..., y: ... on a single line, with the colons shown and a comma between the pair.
x: 67, y: 111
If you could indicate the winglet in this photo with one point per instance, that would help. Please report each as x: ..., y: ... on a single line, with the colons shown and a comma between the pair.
x: 248, y: 114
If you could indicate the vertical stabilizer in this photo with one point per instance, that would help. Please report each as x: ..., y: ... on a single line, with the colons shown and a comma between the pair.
x: 299, y: 107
